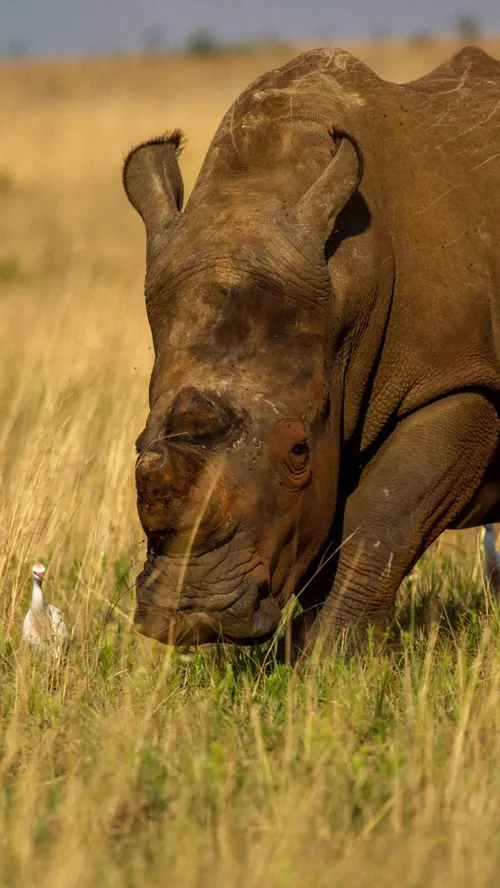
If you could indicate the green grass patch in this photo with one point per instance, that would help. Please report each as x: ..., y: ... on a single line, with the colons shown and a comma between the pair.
x: 220, y: 766
x: 12, y: 271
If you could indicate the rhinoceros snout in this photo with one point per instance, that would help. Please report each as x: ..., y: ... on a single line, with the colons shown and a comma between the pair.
x: 177, y: 479
x: 248, y: 616
x: 154, y: 477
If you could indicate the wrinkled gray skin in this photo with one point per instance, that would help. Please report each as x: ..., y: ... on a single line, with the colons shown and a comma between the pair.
x: 325, y: 318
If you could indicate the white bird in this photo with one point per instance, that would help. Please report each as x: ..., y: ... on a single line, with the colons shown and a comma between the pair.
x: 43, y: 627
x: 491, y: 560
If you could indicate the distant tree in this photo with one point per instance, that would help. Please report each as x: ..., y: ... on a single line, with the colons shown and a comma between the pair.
x: 421, y: 38
x: 202, y: 43
x: 153, y: 39
x: 381, y: 34
x: 468, y: 27
x: 18, y: 48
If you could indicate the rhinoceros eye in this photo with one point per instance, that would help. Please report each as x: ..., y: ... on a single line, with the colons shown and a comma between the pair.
x: 298, y: 456
x: 301, y: 449
x: 290, y: 452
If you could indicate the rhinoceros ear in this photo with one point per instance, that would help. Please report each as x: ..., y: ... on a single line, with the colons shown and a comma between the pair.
x: 153, y: 182
x: 317, y: 211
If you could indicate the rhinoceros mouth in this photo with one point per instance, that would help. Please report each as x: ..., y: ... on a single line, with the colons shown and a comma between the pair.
x: 222, y: 596
x: 256, y: 623
x: 184, y: 597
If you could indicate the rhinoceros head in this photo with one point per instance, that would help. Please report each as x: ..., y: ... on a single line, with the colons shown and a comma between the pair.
x: 237, y: 466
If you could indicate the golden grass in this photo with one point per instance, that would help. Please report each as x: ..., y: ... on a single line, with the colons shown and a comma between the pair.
x: 133, y: 765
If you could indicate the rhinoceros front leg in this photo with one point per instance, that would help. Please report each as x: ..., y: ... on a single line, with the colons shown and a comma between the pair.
x: 420, y: 481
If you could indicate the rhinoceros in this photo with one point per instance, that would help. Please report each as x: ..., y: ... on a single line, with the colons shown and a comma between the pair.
x: 325, y: 314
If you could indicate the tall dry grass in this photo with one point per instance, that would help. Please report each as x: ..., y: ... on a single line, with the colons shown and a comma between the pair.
x: 133, y: 764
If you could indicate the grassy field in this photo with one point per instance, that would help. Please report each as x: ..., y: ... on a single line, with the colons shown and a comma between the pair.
x: 135, y: 765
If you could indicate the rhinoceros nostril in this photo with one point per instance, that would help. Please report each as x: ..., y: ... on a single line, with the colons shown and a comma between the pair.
x: 150, y: 460
x: 203, y: 418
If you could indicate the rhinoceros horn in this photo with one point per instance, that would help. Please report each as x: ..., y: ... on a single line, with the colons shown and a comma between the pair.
x: 317, y: 210
x: 153, y: 182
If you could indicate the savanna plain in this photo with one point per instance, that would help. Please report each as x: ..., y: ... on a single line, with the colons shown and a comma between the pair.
x: 134, y: 764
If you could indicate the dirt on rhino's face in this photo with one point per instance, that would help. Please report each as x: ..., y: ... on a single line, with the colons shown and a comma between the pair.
x: 237, y: 466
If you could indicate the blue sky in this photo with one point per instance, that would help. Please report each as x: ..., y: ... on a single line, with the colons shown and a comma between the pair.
x: 48, y: 27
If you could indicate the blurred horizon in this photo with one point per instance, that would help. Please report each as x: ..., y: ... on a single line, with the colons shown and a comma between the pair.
x: 47, y: 28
